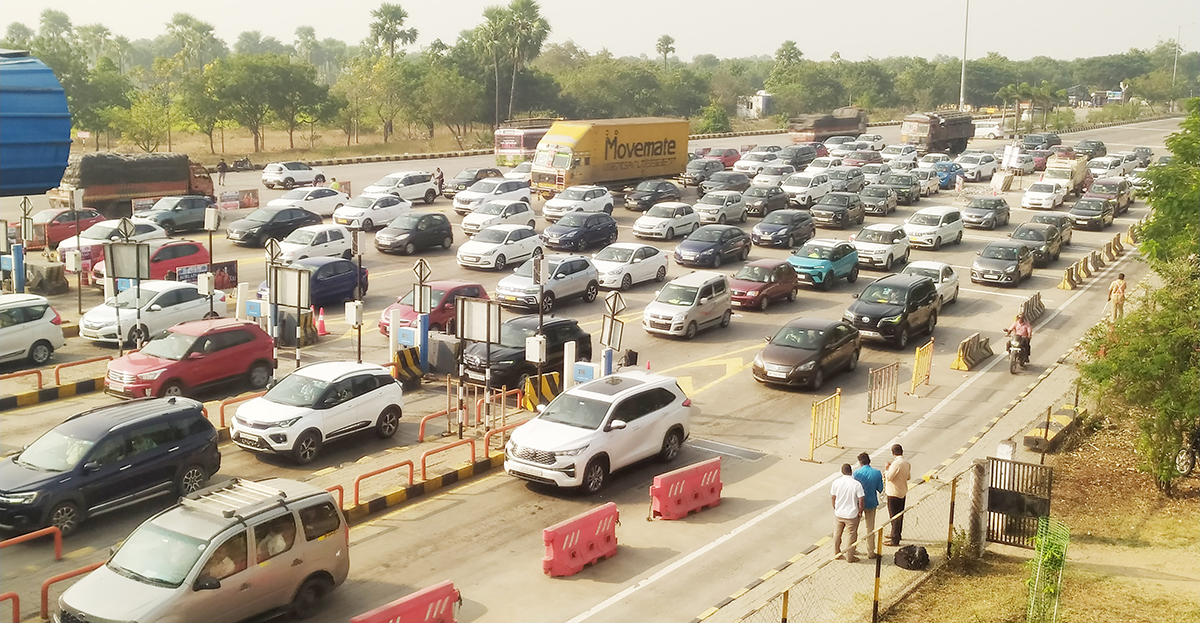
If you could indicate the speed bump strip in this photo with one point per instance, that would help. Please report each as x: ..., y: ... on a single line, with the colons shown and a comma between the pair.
x: 47, y: 394
x: 358, y: 513
x: 759, y: 580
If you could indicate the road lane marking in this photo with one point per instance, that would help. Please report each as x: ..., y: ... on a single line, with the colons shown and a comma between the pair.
x: 991, y: 293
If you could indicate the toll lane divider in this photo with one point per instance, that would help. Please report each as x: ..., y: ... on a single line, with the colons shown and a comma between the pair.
x: 435, y: 604
x: 971, y: 352
x: 406, y: 366
x: 679, y: 493
x: 1032, y: 308
x: 47, y: 394
x: 580, y: 541
x: 1048, y: 434
x: 400, y: 495
x: 540, y: 390
x: 1076, y: 274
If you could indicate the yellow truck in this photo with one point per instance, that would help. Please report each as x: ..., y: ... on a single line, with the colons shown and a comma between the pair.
x: 609, y: 152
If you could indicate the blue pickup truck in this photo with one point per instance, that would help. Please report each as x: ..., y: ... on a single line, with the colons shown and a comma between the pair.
x: 822, y: 261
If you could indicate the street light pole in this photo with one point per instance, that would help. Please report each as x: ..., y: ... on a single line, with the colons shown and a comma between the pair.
x: 962, y: 79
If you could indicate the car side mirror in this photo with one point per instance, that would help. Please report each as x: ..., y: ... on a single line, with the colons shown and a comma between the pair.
x: 540, y: 408
x: 508, y: 242
x: 705, y: 300
x: 979, y: 253
x: 195, y: 355
x: 617, y: 425
x: 90, y: 467
x: 206, y: 584
x: 155, y: 308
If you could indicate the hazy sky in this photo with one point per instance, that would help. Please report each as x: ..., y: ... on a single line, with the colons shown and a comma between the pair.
x: 1018, y: 29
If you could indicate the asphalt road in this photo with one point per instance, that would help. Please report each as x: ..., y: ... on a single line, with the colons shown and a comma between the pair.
x: 486, y: 535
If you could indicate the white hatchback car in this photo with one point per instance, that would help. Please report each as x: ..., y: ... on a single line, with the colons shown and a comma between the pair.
x: 578, y: 199
x: 316, y: 241
x: 805, y: 189
x: 498, y: 213
x: 899, y: 153
x: 135, y: 314
x: 753, y: 162
x: 318, y: 200
x: 316, y: 404
x: 596, y: 428
x: 881, y: 245
x: 290, y: 174
x: 106, y: 231
x: 30, y: 328
x: 499, y: 246
x: 822, y: 164
x: 522, y: 171
x: 930, y: 227
x: 1043, y: 196
x: 667, y: 220
x: 943, y: 277
x: 928, y: 160
x: 491, y: 189
x: 773, y: 174
x: 367, y: 212
x: 721, y: 206
x: 410, y: 185
x: 622, y: 264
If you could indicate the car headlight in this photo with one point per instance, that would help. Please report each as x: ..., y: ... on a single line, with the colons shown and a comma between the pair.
x: 571, y: 452
x: 1044, y: 248
x: 505, y: 362
x: 150, y: 376
x: 511, y: 448
x: 1010, y: 269
x: 254, y: 230
x: 19, y: 498
x: 806, y: 367
x: 288, y: 423
x: 758, y: 361
x: 614, y: 272
x: 400, y: 236
x: 489, y: 252
x: 707, y: 252
x: 892, y: 319
x: 679, y: 317
x: 752, y: 293
x: 848, y: 315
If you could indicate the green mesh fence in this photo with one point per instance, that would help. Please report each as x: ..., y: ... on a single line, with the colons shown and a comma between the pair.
x: 1045, y: 573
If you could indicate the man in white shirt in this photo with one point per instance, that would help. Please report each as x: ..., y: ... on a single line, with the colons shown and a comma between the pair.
x: 846, y: 496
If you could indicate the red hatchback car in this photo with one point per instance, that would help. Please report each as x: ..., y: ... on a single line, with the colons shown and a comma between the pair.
x: 167, y: 256
x: 727, y: 155
x: 442, y: 295
x: 59, y: 224
x: 193, y: 355
x: 761, y: 282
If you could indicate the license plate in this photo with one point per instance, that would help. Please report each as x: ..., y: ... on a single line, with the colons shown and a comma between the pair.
x: 992, y: 277
x: 470, y: 258
x: 804, y: 277
x: 474, y: 375
x: 875, y: 334
x: 342, y: 221
x: 777, y: 375
x: 116, y: 387
x: 509, y: 298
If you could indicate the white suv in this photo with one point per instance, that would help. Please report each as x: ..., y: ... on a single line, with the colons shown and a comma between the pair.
x: 882, y: 245
x: 410, y: 185
x: 498, y: 213
x: 491, y: 189
x: 289, y: 174
x: 316, y: 241
x: 976, y: 167
x: 687, y: 304
x: 316, y: 404
x: 721, y: 206
x: 596, y: 428
x: 31, y: 329
x: 805, y: 189
x: 578, y: 199
x: 930, y: 227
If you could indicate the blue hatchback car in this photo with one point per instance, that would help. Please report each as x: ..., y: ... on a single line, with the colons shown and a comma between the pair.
x: 710, y: 245
x: 821, y: 261
x: 332, y: 280
x: 948, y: 173
x: 580, y: 230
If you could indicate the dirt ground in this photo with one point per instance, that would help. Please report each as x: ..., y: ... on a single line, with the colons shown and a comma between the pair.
x: 1134, y: 555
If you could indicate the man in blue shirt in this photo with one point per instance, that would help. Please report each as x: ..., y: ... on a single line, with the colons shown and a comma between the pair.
x: 871, y: 480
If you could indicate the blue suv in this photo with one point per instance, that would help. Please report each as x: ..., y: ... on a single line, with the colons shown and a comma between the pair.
x: 108, y: 458
x: 820, y: 262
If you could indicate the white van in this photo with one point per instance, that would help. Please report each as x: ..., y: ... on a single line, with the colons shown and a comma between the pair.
x: 991, y: 129
x: 689, y: 304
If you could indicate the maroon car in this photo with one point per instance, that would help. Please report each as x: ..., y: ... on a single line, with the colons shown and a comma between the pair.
x: 861, y: 157
x: 761, y: 282
x: 1040, y: 157
x: 442, y: 295
x: 727, y: 155
x: 822, y: 150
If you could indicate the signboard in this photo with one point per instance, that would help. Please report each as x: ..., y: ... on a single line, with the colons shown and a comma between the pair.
x: 478, y: 319
x: 144, y: 203
x: 236, y: 199
x: 255, y: 308
x: 293, y: 286
x: 611, y: 330
x: 422, y: 299
x: 225, y: 274
x: 125, y: 260
x: 406, y: 336
x: 584, y: 371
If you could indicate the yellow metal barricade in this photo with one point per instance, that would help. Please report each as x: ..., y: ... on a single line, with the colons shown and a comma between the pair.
x: 883, y: 387
x: 922, y: 365
x: 825, y: 416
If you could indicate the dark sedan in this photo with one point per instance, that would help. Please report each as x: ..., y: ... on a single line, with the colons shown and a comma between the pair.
x: 266, y: 222
x: 1003, y: 262
x: 878, y: 199
x: 906, y: 185
x: 1091, y: 148
x: 848, y: 178
x: 726, y: 180
x: 763, y: 200
x: 806, y: 351
x: 414, y: 231
x: 699, y: 170
x: 1093, y: 213
x: 1062, y: 221
x: 784, y: 228
x: 839, y: 209
x: 467, y: 178
x: 580, y: 230
x: 1044, y: 241
x: 986, y: 213
x: 711, y: 245
x: 331, y: 280
x: 651, y: 192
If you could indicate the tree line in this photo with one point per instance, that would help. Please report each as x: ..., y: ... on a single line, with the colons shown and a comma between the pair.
x: 187, y: 78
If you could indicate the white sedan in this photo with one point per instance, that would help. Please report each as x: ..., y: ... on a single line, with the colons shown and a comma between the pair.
x: 930, y: 182
x: 578, y: 199
x: 365, y: 212
x: 137, y: 313
x: 320, y: 200
x: 943, y: 277
x: 499, y: 246
x: 822, y: 164
x: 623, y: 264
x: 928, y: 160
x: 1044, y: 195
x: 667, y: 220
x: 874, y: 141
x: 522, y: 171
x: 773, y: 175
x: 498, y: 213
x: 106, y: 231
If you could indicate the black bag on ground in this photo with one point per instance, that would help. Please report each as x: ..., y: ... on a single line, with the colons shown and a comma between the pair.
x: 912, y: 557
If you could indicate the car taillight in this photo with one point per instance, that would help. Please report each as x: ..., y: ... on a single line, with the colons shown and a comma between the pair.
x: 687, y: 402
x: 57, y: 318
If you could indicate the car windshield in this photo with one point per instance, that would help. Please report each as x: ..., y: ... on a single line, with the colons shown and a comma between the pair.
x: 166, y: 204
x: 661, y: 211
x: 698, y: 165
x: 815, y: 252
x: 986, y: 203
x: 129, y: 299
x: 803, y: 181
x: 796, y: 337
x: 614, y: 254
x: 301, y: 236
x: 675, y: 294
x: 926, y: 173
x: 1042, y: 188
x: 405, y: 222
x: 713, y: 199
x: 296, y: 194
x: 834, y: 200
x: 998, y: 252
x: 945, y: 167
x: 1085, y: 206
x: 360, y: 202
x: 760, y: 274
x: 575, y: 219
x: 575, y: 194
x: 169, y: 345
x: 878, y: 293
x: 45, y: 216
x: 932, y: 158
x: 756, y: 191
x: 513, y: 335
x: 466, y: 175
x: 1104, y: 189
x: 968, y: 159
x: 389, y: 181
x: 495, y: 236
x: 524, y: 167
x: 838, y: 174
x: 484, y: 186
x: 491, y: 208
x: 261, y: 215
x: 705, y: 234
x: 892, y: 150
x: 899, y: 180
x: 1025, y: 233
x: 822, y: 163
x: 724, y: 176
x: 55, y: 452
x: 576, y: 411
x: 157, y: 556
x: 924, y: 219
x: 648, y: 186
x: 778, y: 218
x: 875, y: 191
x: 103, y: 231
x: 919, y: 271
x: 872, y: 169
x: 861, y: 155
x: 297, y: 390
x: 777, y: 170
x: 435, y: 298
x: 874, y: 235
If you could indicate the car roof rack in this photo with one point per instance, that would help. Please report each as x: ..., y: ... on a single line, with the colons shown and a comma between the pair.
x: 235, y: 498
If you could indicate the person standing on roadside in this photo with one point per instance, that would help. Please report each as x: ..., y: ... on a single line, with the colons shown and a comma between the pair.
x: 871, y: 480
x: 335, y: 185
x: 439, y: 178
x: 1116, y: 295
x: 896, y: 486
x: 222, y: 169
x: 846, y: 495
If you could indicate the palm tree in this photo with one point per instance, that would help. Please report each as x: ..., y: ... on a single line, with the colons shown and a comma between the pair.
x: 388, y: 27
x: 1006, y: 94
x: 1024, y: 93
x: 665, y: 47
x: 490, y: 38
x: 120, y: 48
x: 529, y: 32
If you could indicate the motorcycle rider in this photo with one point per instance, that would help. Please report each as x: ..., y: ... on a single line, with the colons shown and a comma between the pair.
x: 1023, y: 330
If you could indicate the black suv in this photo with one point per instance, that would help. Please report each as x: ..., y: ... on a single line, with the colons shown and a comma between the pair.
x: 1091, y: 148
x: 466, y: 178
x: 509, y: 367
x: 798, y: 156
x: 176, y: 214
x: 108, y: 458
x: 1041, y: 141
x: 894, y: 308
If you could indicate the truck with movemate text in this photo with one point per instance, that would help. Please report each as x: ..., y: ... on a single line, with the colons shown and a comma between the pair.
x: 847, y: 121
x: 939, y: 132
x: 111, y: 182
x: 609, y: 152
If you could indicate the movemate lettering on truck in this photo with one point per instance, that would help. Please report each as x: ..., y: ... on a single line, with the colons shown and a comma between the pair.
x: 616, y: 150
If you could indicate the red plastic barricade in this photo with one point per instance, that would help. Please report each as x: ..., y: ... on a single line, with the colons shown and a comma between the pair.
x: 580, y: 541
x: 430, y: 605
x: 679, y: 493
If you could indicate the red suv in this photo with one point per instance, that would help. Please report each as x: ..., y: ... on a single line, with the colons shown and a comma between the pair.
x: 192, y: 355
x: 727, y: 155
x: 167, y: 256
x: 441, y: 305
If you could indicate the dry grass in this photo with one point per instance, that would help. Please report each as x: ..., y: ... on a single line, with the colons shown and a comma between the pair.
x: 1134, y: 554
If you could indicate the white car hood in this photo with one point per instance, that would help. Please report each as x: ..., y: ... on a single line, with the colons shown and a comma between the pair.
x: 480, y: 220
x: 664, y: 309
x: 912, y: 229
x: 607, y: 266
x: 267, y: 412
x: 468, y: 196
x: 472, y: 247
x: 551, y: 436
x: 283, y: 203
x: 651, y: 222
x: 105, y: 315
x: 1030, y: 194
x: 106, y: 594
x: 867, y: 247
x: 561, y: 204
x: 348, y: 212
x: 290, y: 249
x: 515, y: 283
x: 377, y: 190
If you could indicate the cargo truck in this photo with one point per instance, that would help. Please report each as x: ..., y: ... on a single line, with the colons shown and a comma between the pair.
x: 938, y: 132
x: 848, y: 121
x: 609, y: 152
x: 1070, y: 173
x: 111, y: 182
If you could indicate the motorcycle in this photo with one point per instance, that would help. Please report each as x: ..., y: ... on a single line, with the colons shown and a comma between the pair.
x: 243, y: 164
x: 1185, y: 461
x: 1015, y: 359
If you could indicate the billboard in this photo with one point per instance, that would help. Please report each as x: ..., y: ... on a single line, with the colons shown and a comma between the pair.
x: 225, y: 274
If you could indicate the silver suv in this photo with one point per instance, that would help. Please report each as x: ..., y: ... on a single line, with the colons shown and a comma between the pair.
x: 688, y: 304
x: 221, y: 555
x: 567, y: 276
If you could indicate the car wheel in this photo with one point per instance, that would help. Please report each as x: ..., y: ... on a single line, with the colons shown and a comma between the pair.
x: 853, y: 276
x: 347, y: 254
x: 818, y: 379
x: 592, y: 290
x: 307, y: 601
x: 169, y: 228
x: 65, y: 516
x: 661, y: 275
x: 368, y: 225
x: 937, y: 243
x: 410, y: 248
x: 791, y: 297
x: 608, y: 209
x: 901, y: 338
x: 691, y: 330
x: 533, y: 224
x: 852, y: 365
x: 958, y: 239
x: 745, y: 215
x: 612, y: 238
x: 955, y: 299
x: 670, y: 233
x: 289, y: 183
x: 1185, y: 462
x: 932, y: 324
x: 320, y: 179
x: 500, y: 262
x: 790, y: 242
x: 191, y: 479
x: 721, y: 220
x: 138, y: 334
x: 447, y: 242
x: 538, y: 252
x: 260, y: 375
x: 726, y: 317
x: 548, y: 302
x: 827, y: 282
x: 40, y: 352
x: 626, y: 281
x: 171, y: 389
x: 764, y: 303
x: 672, y: 444
x: 306, y: 449
x: 887, y: 264
x: 717, y: 261
x: 595, y: 475
x: 430, y: 195
x: 388, y: 423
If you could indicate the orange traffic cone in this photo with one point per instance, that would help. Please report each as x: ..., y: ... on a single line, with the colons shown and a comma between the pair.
x: 321, y: 323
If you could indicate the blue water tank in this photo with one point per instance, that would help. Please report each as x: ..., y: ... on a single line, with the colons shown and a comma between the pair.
x: 35, y: 126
